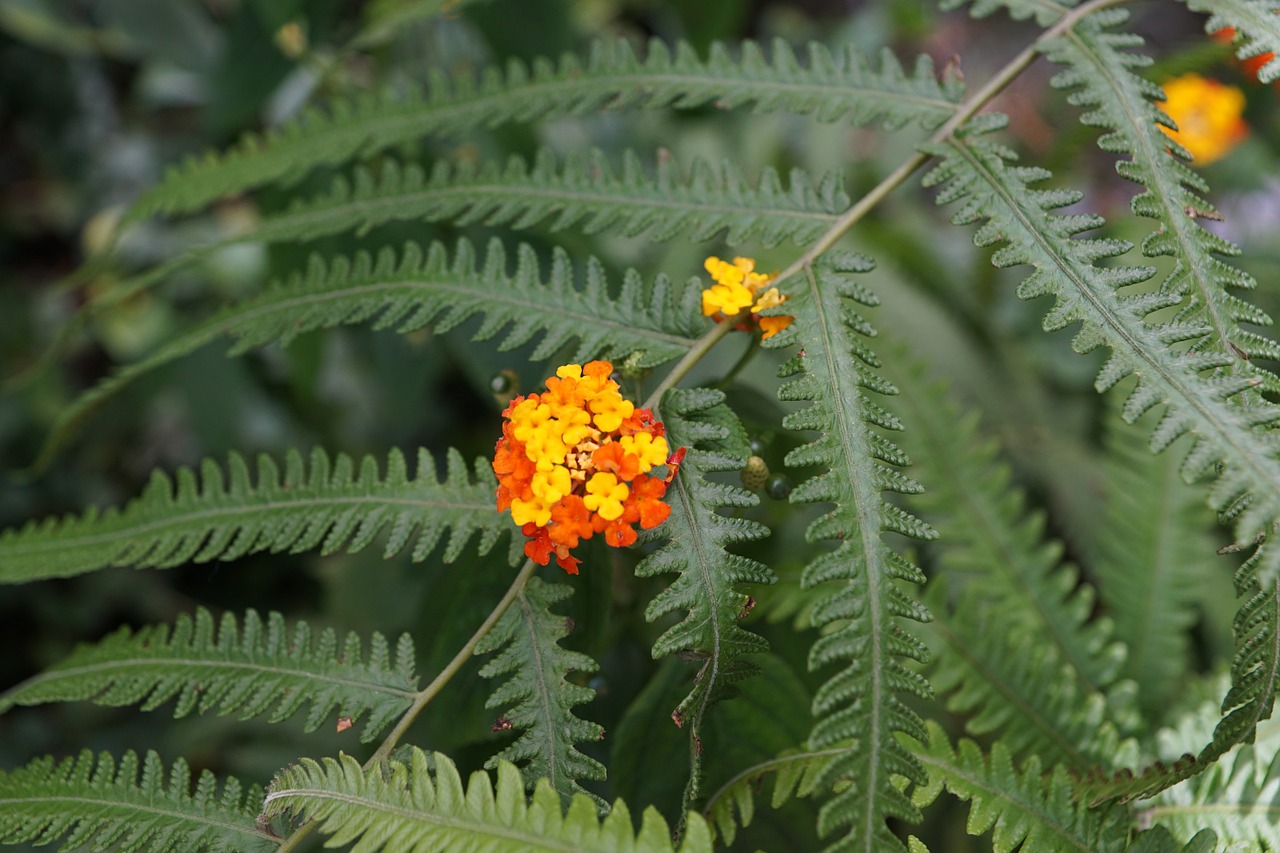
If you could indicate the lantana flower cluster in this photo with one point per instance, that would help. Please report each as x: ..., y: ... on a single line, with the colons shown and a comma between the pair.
x: 574, y: 461
x: 1209, y: 115
x: 739, y: 287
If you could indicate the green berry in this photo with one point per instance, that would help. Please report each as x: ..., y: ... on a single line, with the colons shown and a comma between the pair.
x: 778, y: 487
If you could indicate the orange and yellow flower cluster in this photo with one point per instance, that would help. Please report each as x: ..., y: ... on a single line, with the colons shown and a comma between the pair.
x: 738, y: 286
x: 1209, y: 115
x: 574, y: 461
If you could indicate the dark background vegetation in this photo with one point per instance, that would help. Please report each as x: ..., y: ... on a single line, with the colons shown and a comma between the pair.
x: 96, y: 98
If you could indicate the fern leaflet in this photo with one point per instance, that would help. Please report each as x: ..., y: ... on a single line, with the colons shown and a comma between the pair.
x: 707, y: 590
x: 859, y: 705
x: 539, y: 693
x: 586, y: 192
x: 104, y: 804
x: 1238, y: 798
x: 1256, y: 25
x: 612, y: 77
x: 1099, y: 70
x: 1159, y: 840
x: 321, y: 504
x: 1226, y: 434
x: 795, y: 775
x: 1045, y: 12
x: 249, y: 669
x: 654, y: 322
x: 1028, y: 809
x: 398, y: 808
x: 1153, y: 553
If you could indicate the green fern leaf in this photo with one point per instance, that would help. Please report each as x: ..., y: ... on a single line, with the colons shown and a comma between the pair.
x: 103, y: 805
x: 249, y: 669
x: 991, y: 542
x: 860, y: 704
x: 1208, y: 406
x: 1019, y: 650
x: 422, y: 805
x: 1256, y: 25
x: 1151, y: 562
x: 707, y: 591
x: 1045, y: 12
x: 1099, y: 70
x: 654, y: 321
x: 586, y: 193
x: 845, y: 86
x: 1238, y: 798
x: 1159, y: 840
x: 1027, y: 809
x: 538, y: 696
x: 324, y: 504
x: 794, y: 776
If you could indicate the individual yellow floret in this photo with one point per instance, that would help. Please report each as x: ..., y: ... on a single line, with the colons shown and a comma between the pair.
x: 647, y: 449
x: 605, y: 496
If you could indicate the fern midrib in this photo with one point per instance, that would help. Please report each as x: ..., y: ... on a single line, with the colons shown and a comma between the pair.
x: 151, y: 665
x: 868, y: 534
x: 706, y: 582
x: 615, y: 85
x: 477, y: 826
x: 134, y: 806
x: 1255, y: 461
x: 1264, y: 811
x: 1049, y: 820
x: 545, y: 702
x: 489, y: 298
x: 1015, y: 698
x: 1181, y: 224
x: 757, y: 771
x: 191, y: 518
x: 291, y: 222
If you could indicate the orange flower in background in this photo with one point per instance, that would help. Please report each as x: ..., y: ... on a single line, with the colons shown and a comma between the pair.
x: 1209, y: 116
x: 575, y: 461
x: 737, y: 286
x: 1227, y: 35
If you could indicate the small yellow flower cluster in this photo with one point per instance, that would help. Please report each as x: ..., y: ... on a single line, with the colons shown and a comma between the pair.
x: 738, y: 286
x: 1209, y: 116
x: 572, y: 462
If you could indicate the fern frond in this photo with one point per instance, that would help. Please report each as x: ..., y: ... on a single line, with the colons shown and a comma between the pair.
x: 323, y: 503
x: 1019, y: 649
x: 859, y: 705
x: 831, y: 87
x: 104, y: 804
x: 1159, y: 840
x: 585, y: 192
x: 1227, y: 439
x: 991, y: 541
x: 1044, y: 11
x: 652, y: 321
x: 1153, y: 551
x: 1238, y: 798
x: 538, y: 695
x: 249, y: 669
x: 1256, y: 25
x: 1255, y: 677
x: 794, y: 776
x: 707, y: 592
x: 422, y: 805
x: 1028, y: 809
x: 1100, y: 74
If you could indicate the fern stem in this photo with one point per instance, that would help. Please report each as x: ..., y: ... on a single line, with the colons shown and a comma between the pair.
x: 692, y: 357
x: 429, y: 692
x: 967, y: 110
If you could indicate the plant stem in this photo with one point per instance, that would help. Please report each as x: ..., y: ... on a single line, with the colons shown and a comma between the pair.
x: 967, y: 110
x: 692, y: 357
x: 424, y: 697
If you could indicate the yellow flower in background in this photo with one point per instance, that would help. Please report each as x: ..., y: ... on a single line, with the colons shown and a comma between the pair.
x: 1209, y: 116
x: 738, y: 286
